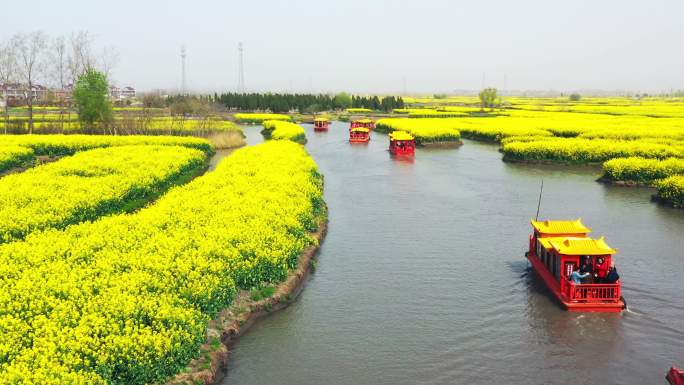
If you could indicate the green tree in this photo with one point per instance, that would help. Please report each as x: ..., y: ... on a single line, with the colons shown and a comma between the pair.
x: 91, y: 96
x: 575, y: 97
x: 342, y: 101
x: 488, y: 98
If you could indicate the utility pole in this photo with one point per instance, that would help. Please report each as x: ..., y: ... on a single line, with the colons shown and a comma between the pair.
x: 183, y: 83
x: 241, y: 69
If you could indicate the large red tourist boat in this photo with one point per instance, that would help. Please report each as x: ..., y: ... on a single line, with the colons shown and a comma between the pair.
x: 321, y: 124
x: 675, y: 376
x: 364, y: 123
x: 359, y: 135
x: 559, y: 248
x: 402, y: 143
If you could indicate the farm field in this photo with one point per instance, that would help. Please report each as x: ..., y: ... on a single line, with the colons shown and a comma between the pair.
x: 91, y: 184
x: 128, y: 296
x: 426, y: 131
x: 341, y: 193
x: 557, y: 130
x: 108, y: 315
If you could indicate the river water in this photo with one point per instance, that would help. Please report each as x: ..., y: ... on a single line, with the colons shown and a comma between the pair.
x: 422, y: 279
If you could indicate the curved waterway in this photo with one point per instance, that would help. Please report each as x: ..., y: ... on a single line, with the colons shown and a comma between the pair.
x: 422, y: 279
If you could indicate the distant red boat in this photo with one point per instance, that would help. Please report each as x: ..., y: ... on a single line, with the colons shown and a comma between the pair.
x: 359, y: 135
x: 362, y: 123
x: 402, y: 143
x: 675, y: 376
x: 321, y: 124
x: 559, y: 248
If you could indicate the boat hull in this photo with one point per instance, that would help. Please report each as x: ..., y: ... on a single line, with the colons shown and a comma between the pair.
x: 359, y: 140
x: 554, y: 287
x: 398, y: 152
x: 675, y: 376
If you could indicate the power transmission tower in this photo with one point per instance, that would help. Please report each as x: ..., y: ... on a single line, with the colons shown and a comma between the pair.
x: 241, y: 69
x: 183, y: 84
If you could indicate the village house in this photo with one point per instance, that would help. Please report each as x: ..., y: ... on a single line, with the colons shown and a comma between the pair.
x: 117, y: 93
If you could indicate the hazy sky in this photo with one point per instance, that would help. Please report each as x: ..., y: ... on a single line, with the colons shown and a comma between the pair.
x: 373, y: 45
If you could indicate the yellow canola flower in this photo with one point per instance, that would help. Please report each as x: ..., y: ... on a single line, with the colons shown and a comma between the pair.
x: 69, y: 144
x: 259, y: 118
x: 126, y: 299
x: 279, y: 130
x: 13, y: 156
x: 425, y: 130
x: 89, y: 185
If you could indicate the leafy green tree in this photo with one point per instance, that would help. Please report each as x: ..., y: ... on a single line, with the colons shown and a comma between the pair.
x: 91, y: 96
x: 342, y: 101
x: 488, y: 98
x: 575, y: 97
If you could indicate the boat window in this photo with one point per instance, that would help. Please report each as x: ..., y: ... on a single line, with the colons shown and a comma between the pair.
x: 556, y: 264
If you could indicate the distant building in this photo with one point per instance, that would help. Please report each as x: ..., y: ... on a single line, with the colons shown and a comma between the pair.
x: 128, y: 92
x: 64, y: 93
x: 15, y: 91
x: 114, y: 92
x: 117, y: 93
x: 39, y: 92
x: 11, y: 91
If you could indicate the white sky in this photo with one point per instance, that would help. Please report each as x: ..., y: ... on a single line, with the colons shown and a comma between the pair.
x: 370, y: 46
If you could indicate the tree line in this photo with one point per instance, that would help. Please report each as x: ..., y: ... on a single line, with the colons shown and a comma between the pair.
x: 304, y: 103
x: 29, y: 59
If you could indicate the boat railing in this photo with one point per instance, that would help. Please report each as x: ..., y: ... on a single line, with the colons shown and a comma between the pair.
x: 591, y: 292
x: 532, y: 245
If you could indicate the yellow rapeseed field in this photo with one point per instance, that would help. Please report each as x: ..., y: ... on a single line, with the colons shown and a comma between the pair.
x: 126, y: 299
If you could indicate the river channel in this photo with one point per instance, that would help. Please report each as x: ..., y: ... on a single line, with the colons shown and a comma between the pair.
x: 422, y: 278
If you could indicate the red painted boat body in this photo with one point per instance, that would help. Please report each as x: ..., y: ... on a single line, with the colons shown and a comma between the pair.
x: 359, y: 135
x: 675, y: 376
x: 321, y: 125
x: 402, y: 143
x: 562, y: 254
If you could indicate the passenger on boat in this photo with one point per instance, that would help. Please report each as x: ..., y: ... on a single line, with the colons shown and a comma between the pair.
x: 612, y: 275
x: 601, y: 270
x: 588, y: 268
x: 576, y: 277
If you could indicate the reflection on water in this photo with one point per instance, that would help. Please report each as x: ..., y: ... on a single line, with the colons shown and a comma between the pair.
x: 422, y: 278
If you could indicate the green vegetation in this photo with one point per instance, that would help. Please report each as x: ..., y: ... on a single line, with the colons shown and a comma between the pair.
x: 671, y: 190
x: 258, y: 118
x: 13, y: 156
x: 282, y: 103
x: 59, y: 145
x: 579, y: 151
x: 91, y: 97
x: 126, y: 299
x: 280, y: 130
x: 488, y: 98
x: 425, y: 131
x: 257, y: 294
x: 641, y: 170
x: 89, y: 185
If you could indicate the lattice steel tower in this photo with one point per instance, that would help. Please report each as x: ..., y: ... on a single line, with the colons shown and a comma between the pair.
x: 241, y: 69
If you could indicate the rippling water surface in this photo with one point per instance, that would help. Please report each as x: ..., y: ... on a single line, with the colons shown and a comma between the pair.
x: 422, y: 279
